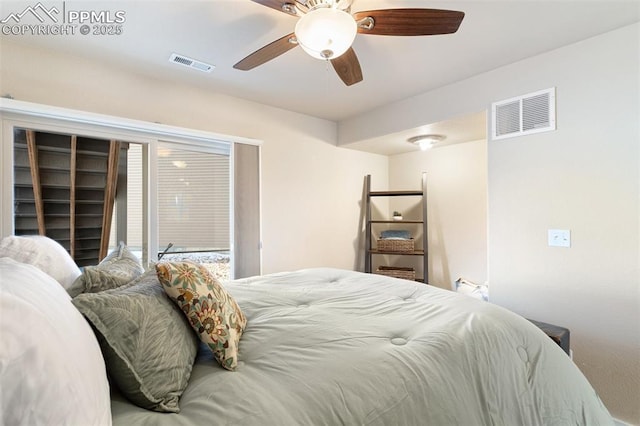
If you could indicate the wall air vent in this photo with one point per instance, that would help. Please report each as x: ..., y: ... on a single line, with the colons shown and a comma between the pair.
x: 523, y: 115
x: 191, y: 63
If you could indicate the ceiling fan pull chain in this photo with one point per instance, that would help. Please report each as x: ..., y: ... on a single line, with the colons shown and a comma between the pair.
x: 326, y: 73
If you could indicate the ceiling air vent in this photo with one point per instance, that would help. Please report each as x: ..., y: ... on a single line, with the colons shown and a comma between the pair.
x: 523, y: 115
x: 191, y: 63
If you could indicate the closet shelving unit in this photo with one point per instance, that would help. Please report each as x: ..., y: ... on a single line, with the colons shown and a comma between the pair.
x: 64, y: 188
x: 371, y: 251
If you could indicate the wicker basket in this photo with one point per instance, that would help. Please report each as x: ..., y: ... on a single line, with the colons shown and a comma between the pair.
x: 401, y: 246
x: 397, y: 272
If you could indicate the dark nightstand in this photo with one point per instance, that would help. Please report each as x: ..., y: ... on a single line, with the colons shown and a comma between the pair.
x: 560, y: 335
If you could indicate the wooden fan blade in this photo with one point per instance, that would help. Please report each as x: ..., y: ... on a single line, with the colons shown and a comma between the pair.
x: 347, y: 67
x: 410, y: 22
x: 284, y: 6
x: 267, y: 53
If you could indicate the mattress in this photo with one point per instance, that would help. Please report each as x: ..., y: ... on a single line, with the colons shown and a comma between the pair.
x: 333, y: 347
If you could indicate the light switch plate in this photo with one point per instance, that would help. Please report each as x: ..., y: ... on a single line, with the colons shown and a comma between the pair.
x: 559, y: 238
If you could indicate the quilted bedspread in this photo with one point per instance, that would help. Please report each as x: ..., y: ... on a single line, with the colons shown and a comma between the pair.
x: 334, y: 347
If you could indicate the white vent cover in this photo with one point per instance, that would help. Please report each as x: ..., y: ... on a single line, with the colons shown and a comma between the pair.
x: 523, y: 115
x: 191, y: 63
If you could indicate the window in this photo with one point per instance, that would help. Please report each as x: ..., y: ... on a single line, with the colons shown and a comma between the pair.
x: 128, y: 220
x: 194, y: 205
x: 216, y: 213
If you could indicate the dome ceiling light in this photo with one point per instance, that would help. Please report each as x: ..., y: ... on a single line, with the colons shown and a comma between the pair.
x: 426, y: 142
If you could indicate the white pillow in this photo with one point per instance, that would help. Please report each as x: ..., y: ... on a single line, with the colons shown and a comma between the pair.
x: 478, y: 291
x: 43, y: 253
x: 51, y: 368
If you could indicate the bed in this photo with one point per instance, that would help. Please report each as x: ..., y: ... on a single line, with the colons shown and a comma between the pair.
x: 333, y: 347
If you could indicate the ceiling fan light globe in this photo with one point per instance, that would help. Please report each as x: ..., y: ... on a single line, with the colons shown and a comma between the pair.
x: 326, y: 33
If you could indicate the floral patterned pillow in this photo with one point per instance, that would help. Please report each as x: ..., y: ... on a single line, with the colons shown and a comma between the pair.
x: 212, y: 312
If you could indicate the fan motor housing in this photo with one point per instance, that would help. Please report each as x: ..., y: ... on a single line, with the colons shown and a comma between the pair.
x: 338, y: 4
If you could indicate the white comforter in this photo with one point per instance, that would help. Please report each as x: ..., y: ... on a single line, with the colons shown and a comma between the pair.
x: 333, y: 347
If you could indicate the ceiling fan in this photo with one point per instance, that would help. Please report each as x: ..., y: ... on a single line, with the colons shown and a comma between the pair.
x: 326, y: 29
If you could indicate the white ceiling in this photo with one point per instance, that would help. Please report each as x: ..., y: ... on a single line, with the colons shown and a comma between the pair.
x: 222, y: 32
x: 471, y: 127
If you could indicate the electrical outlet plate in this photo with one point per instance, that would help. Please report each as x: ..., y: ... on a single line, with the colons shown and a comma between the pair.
x: 559, y: 238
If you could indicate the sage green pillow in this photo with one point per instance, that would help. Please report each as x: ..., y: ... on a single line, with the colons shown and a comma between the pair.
x: 120, y: 267
x: 147, y: 343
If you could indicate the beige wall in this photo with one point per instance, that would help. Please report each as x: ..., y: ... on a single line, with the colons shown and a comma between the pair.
x: 456, y: 207
x: 311, y: 189
x: 584, y: 177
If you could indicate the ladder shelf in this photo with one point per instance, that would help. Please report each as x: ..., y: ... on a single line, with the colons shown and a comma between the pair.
x: 371, y: 251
